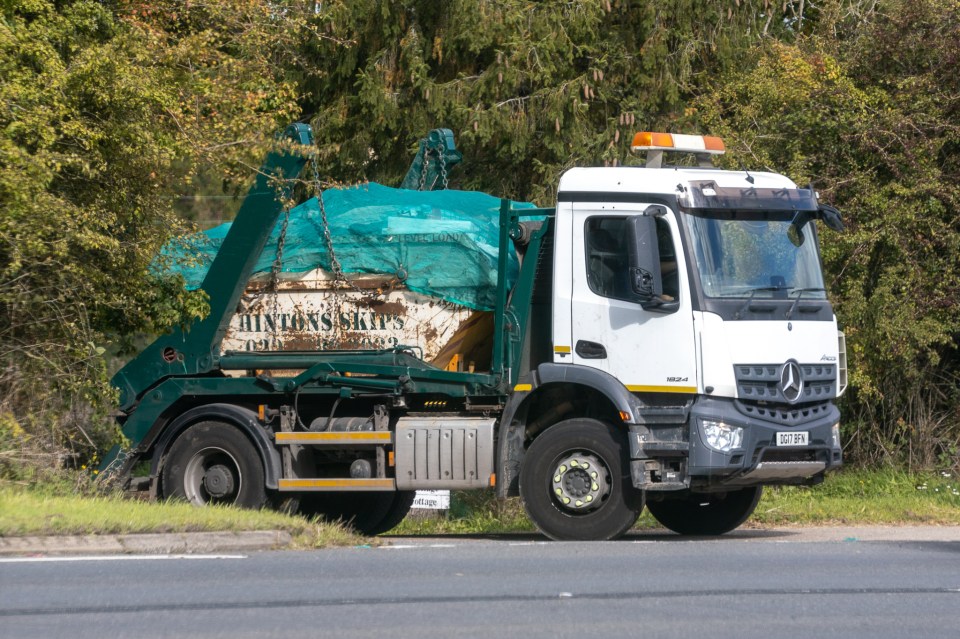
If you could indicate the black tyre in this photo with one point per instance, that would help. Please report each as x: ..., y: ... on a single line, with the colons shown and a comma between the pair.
x: 368, y: 513
x: 214, y: 463
x: 402, y: 503
x: 575, y: 482
x: 706, y: 513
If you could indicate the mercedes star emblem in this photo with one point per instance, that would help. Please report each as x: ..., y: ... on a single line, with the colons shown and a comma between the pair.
x: 791, y: 381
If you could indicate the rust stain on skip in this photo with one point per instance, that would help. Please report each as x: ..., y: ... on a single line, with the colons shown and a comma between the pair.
x: 311, y: 281
x: 430, y: 334
x: 387, y: 308
x: 294, y: 341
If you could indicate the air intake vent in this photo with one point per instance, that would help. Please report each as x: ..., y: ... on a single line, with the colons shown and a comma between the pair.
x: 761, y: 383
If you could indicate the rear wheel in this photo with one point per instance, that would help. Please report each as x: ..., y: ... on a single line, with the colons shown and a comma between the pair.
x: 706, y: 513
x: 402, y: 503
x: 368, y: 513
x: 214, y: 463
x: 575, y: 482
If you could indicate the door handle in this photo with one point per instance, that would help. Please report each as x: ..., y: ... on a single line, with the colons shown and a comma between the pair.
x: 590, y: 350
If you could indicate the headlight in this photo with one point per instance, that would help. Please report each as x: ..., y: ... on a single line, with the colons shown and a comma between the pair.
x: 835, y: 432
x: 720, y: 436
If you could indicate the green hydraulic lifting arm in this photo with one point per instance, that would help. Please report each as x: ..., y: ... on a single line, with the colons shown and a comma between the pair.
x: 437, y: 153
x: 196, y: 350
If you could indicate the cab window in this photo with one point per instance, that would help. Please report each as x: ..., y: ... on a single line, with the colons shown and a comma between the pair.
x: 608, y: 261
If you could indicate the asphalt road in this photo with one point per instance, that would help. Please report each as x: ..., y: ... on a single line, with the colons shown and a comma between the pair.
x: 748, y: 585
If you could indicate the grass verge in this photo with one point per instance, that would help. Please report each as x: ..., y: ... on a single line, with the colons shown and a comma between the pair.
x: 852, y: 497
x: 847, y: 498
x: 34, y: 511
x: 865, y: 497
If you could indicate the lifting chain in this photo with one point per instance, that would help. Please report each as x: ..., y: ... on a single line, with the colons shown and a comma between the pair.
x: 423, y: 167
x: 273, y: 289
x: 278, y: 259
x: 339, y: 279
x: 443, y: 166
x: 441, y: 163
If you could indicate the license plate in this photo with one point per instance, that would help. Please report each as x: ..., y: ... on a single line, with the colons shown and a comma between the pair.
x: 793, y: 439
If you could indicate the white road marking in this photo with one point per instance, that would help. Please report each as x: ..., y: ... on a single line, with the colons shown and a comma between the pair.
x: 408, y: 546
x: 23, y: 560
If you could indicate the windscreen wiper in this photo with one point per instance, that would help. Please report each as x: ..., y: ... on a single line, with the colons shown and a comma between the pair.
x: 800, y: 292
x: 754, y: 291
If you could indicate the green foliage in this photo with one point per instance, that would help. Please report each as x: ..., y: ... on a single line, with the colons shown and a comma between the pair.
x: 106, y: 113
x: 872, y: 123
x: 530, y: 88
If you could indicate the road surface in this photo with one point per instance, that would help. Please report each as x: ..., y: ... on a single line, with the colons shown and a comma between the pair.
x: 751, y: 584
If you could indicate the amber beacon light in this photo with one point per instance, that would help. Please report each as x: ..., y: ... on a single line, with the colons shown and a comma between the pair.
x: 657, y: 143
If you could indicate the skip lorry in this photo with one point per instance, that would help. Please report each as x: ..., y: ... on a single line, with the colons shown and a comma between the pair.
x: 666, y: 342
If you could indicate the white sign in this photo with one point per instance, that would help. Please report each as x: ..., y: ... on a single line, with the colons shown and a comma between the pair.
x: 432, y: 499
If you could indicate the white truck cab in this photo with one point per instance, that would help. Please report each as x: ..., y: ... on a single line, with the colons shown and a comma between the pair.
x: 701, y: 291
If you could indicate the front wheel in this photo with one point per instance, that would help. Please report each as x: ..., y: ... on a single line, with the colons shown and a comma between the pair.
x: 707, y: 513
x: 214, y: 463
x: 575, y: 482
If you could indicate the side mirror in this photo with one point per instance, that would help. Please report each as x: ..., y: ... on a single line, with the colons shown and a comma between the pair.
x: 831, y: 217
x: 795, y: 230
x: 795, y: 234
x: 645, y: 279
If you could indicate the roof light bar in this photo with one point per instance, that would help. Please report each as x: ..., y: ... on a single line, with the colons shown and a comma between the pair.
x: 649, y: 141
x: 656, y: 143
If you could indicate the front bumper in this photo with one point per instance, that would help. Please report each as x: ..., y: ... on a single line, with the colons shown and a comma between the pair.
x: 678, y: 457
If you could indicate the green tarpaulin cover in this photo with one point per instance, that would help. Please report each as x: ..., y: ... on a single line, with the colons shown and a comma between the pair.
x: 445, y: 242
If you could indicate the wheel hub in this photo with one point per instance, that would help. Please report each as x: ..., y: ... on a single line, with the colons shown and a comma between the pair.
x: 218, y: 481
x: 212, y: 476
x: 580, y: 482
x: 577, y: 482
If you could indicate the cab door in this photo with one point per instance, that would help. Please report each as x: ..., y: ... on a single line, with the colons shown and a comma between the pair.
x: 648, y: 351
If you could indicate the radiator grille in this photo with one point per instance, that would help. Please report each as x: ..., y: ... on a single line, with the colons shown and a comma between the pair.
x: 761, y: 383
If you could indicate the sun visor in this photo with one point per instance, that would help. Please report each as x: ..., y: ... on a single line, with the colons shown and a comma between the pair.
x: 708, y: 197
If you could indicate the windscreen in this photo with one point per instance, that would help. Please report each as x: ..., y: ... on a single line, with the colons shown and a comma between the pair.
x: 758, y: 255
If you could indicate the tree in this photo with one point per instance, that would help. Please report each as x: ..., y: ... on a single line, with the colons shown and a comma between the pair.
x: 529, y: 88
x: 871, y: 120
x: 106, y: 114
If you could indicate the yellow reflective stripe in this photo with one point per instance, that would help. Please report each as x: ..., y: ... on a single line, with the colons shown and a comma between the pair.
x: 363, y: 437
x: 662, y: 389
x: 561, y: 349
x: 333, y: 484
x: 523, y: 387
